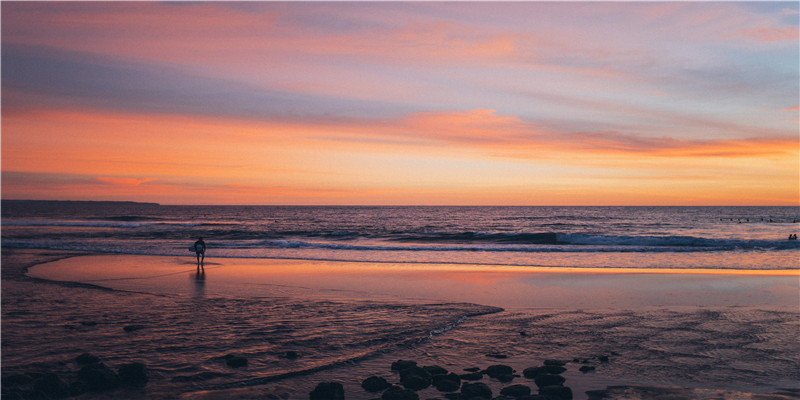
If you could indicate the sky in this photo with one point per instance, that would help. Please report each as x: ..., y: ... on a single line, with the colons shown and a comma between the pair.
x: 402, y: 103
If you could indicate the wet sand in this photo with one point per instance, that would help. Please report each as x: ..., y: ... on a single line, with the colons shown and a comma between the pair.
x: 499, y: 286
x: 702, y: 333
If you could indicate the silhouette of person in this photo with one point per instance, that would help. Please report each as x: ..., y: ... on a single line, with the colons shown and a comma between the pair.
x: 200, y: 250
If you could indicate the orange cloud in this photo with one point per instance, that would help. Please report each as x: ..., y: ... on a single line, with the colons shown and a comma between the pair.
x: 123, y: 181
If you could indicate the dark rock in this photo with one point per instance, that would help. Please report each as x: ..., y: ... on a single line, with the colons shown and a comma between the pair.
x: 533, y: 372
x: 398, y: 393
x: 557, y: 363
x: 479, y: 390
x: 415, y: 382
x: 447, y: 383
x: 98, y: 377
x: 87, y: 358
x: 496, y: 355
x: 495, y: 371
x: 132, y: 328
x: 51, y: 385
x: 603, y: 359
x: 516, y: 391
x: 16, y: 380
x: 449, y: 377
x: 475, y: 376
x: 375, y: 384
x: 472, y: 369
x: 235, y: 361
x: 554, y: 369
x: 586, y: 368
x: 77, y: 388
x: 89, y: 323
x: 435, y: 370
x: 556, y: 392
x: 133, y: 374
x: 597, y: 394
x: 506, y: 378
x: 400, y: 365
x: 549, y: 380
x: 327, y: 391
x: 290, y: 355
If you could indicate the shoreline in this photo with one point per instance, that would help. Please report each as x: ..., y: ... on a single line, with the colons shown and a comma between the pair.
x: 535, y: 301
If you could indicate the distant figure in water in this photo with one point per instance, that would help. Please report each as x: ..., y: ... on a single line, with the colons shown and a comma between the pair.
x: 793, y: 236
x: 200, y: 250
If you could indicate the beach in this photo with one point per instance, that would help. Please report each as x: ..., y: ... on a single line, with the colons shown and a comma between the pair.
x: 692, y: 334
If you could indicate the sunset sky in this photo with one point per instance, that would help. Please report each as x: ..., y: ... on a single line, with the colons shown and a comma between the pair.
x: 524, y: 103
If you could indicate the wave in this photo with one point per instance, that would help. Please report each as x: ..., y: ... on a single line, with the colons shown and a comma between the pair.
x: 532, y: 243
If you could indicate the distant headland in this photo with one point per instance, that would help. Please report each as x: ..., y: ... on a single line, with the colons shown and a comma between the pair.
x: 75, y: 202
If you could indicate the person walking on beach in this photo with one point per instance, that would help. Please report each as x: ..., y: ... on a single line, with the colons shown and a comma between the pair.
x: 200, y: 250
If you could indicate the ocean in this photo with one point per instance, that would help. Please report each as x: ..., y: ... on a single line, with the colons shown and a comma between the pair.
x: 149, y: 304
x: 616, y: 237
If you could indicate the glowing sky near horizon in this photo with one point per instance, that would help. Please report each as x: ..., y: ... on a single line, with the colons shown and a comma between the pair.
x: 529, y: 103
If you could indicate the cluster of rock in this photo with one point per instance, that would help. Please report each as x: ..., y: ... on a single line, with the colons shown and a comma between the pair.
x: 92, y: 376
x: 453, y: 386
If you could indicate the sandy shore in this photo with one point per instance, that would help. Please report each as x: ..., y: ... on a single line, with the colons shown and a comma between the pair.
x: 697, y: 333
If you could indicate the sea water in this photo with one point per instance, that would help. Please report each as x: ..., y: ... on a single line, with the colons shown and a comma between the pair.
x: 616, y: 237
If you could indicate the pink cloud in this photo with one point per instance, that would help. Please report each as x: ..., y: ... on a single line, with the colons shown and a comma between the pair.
x: 771, y: 34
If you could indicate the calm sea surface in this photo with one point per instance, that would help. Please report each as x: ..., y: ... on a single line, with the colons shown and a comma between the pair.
x: 627, y: 237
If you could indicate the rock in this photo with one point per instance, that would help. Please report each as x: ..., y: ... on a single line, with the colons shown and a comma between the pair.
x: 415, y: 382
x: 497, y: 356
x: 556, y: 392
x: 398, y: 393
x: 435, y: 370
x: 51, y: 385
x: 506, y: 378
x: 290, y: 355
x: 16, y: 380
x: 472, y: 369
x: 557, y: 363
x: 449, y: 377
x: 235, y: 361
x: 554, y: 369
x: 133, y: 374
x: 87, y: 358
x: 479, y: 390
x: 586, y: 368
x: 475, y: 376
x: 98, y: 377
x: 495, y: 371
x: 516, y: 391
x: 132, y: 328
x: 327, y: 391
x: 415, y: 378
x: 375, y: 384
x: 549, y: 380
x: 400, y: 365
x: 533, y: 372
x: 447, y: 383
x: 603, y: 359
